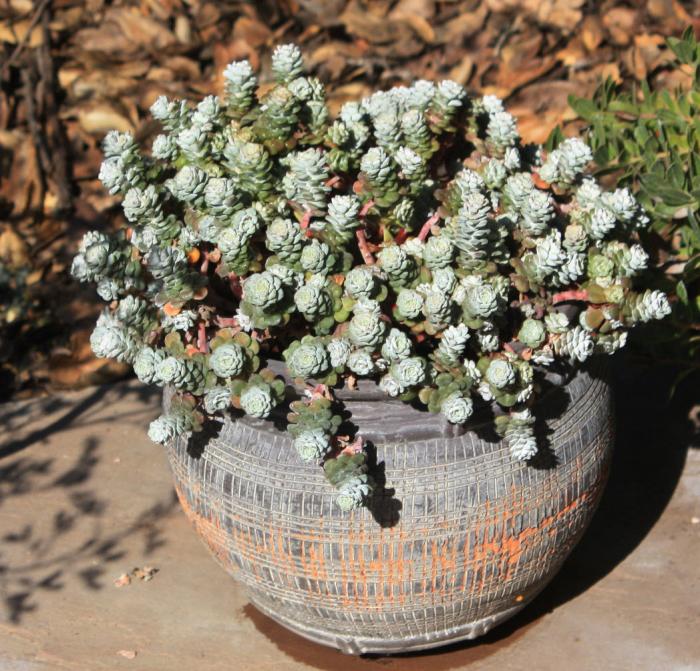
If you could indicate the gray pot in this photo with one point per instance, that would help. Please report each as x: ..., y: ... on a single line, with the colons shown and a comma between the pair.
x: 460, y: 538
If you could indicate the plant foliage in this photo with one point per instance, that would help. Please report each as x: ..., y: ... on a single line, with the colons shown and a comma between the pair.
x: 649, y: 141
x: 412, y: 241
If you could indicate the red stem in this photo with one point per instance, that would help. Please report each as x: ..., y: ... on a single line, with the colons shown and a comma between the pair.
x: 571, y: 295
x: 364, y: 247
x: 425, y: 229
x: 366, y: 208
x: 401, y: 236
x: 305, y: 220
x: 202, y: 343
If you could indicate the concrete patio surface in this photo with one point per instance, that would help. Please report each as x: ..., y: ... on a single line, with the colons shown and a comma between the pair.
x: 85, y: 498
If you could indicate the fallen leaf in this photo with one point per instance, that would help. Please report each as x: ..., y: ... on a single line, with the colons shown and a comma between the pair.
x: 13, y: 249
x: 620, y: 22
x: 592, y: 32
x: 123, y: 580
x: 143, y: 30
x: 99, y: 119
x: 573, y: 54
x: 252, y: 31
x: 425, y: 9
x: 462, y: 72
x: 462, y: 26
x: 146, y: 573
x: 129, y: 654
x: 542, y: 106
x: 183, y: 30
x: 17, y: 32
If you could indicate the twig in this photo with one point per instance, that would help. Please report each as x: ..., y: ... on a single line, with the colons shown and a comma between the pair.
x: 25, y: 40
x: 29, y: 84
x: 60, y: 173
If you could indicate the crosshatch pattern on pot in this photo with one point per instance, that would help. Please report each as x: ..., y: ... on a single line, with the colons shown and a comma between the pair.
x: 478, y: 535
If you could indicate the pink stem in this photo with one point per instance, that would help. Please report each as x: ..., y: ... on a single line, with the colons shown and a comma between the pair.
x: 305, y: 220
x: 571, y: 295
x: 333, y: 181
x: 355, y: 447
x: 366, y: 208
x: 364, y: 248
x: 425, y: 229
x: 202, y: 343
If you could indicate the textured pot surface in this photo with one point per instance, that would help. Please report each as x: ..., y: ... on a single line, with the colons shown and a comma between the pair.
x: 461, y: 537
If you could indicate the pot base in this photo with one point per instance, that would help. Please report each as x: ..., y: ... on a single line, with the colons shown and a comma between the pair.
x: 353, y: 645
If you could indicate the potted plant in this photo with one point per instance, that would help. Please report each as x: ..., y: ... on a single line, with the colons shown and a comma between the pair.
x: 307, y: 289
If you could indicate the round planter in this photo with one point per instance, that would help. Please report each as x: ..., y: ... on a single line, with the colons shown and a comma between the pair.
x: 459, y: 539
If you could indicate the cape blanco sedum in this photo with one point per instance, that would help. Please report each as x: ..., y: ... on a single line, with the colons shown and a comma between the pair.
x: 452, y: 273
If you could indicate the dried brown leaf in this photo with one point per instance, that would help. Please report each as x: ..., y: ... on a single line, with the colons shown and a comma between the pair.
x: 462, y: 72
x: 14, y: 33
x: 592, y: 32
x: 573, y: 54
x: 509, y: 79
x: 542, y: 106
x: 99, y: 119
x: 252, y: 31
x: 420, y: 26
x: 123, y: 580
x: 13, y: 249
x: 183, y: 30
x: 462, y: 26
x: 620, y: 22
x: 145, y: 574
x: 143, y: 30
x: 374, y: 29
x: 425, y: 9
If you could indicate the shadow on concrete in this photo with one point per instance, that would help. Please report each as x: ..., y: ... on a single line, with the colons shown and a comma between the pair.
x: 77, y: 539
x: 15, y: 418
x: 653, y: 437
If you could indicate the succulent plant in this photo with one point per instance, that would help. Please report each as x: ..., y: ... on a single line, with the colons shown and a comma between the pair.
x: 307, y: 359
x: 397, y: 346
x: 409, y: 303
x: 217, y: 399
x: 312, y: 445
x: 412, y: 241
x: 227, y: 360
x: 457, y: 409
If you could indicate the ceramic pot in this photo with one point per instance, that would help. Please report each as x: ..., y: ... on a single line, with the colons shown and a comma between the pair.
x: 460, y: 537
